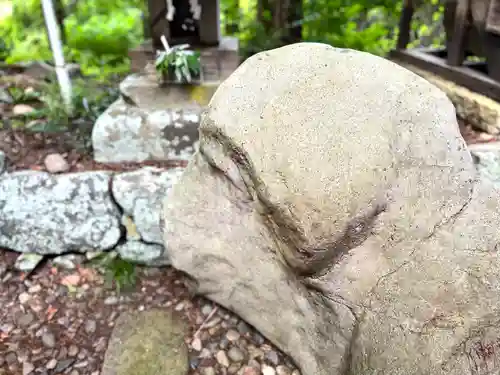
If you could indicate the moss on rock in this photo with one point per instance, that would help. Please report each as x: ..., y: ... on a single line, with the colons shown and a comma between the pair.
x: 147, y: 343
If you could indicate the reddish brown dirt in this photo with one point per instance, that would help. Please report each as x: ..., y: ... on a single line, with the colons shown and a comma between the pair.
x: 27, y: 150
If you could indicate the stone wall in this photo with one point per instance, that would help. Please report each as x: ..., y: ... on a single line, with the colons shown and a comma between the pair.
x: 54, y: 214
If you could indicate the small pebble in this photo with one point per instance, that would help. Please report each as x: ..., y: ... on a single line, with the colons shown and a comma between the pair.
x: 253, y: 363
x: 49, y: 339
x: 111, y: 300
x: 243, y: 328
x: 63, y: 364
x: 206, y: 310
x: 233, y: 369
x: 282, y: 370
x: 222, y: 358
x: 28, y: 368
x: 258, y: 338
x: 55, y: 163
x: 196, y: 344
x: 268, y: 370
x: 100, y: 345
x: 51, y: 364
x: 208, y: 371
x: 235, y: 354
x: 180, y: 306
x: 82, y: 364
x: 22, y: 109
x: 35, y: 289
x: 205, y: 353
x: 224, y: 343
x: 213, y: 322
x: 232, y: 335
x: 11, y: 358
x: 272, y: 357
x: 24, y: 297
x: 249, y: 370
x: 25, y: 319
x: 90, y: 326
x: 73, y: 350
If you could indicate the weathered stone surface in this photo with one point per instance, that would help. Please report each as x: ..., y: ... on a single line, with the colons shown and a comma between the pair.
x: 53, y: 214
x: 3, y: 162
x: 147, y: 343
x: 150, y: 122
x: 5, y: 97
x: 128, y: 133
x: 27, y: 262
x: 143, y: 253
x: 487, y: 158
x: 140, y: 194
x: 335, y: 207
x: 476, y: 109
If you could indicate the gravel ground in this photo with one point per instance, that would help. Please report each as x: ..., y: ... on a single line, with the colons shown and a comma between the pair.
x: 58, y: 321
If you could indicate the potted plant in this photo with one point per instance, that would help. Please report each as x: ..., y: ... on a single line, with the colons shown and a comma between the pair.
x: 178, y: 64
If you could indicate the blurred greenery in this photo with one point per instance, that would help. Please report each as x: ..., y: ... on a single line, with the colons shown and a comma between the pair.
x: 100, y: 32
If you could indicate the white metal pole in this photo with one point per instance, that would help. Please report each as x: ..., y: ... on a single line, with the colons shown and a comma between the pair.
x: 57, y: 51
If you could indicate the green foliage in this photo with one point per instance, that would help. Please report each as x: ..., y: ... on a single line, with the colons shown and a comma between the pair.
x: 366, y: 25
x: 179, y: 63
x: 99, y: 34
x: 90, y: 99
x: 118, y: 273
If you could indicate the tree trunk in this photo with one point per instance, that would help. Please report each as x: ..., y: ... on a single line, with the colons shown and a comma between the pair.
x: 232, y: 17
x: 281, y: 17
x: 265, y: 14
x: 295, y: 14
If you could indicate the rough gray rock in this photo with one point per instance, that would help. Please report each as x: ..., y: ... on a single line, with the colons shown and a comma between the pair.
x: 335, y: 207
x: 5, y: 97
x: 27, y: 262
x: 140, y: 194
x: 53, y: 214
x: 143, y: 253
x: 147, y: 123
x: 487, y: 159
x: 3, y: 162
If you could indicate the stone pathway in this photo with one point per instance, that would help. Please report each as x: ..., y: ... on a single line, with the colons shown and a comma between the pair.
x: 58, y: 321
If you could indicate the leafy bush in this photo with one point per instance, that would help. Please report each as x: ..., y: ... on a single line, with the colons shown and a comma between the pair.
x: 99, y: 34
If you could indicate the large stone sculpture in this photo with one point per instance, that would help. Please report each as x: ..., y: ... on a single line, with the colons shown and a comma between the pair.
x: 333, y: 205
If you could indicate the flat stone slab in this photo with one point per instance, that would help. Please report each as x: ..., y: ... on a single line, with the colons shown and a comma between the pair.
x: 140, y: 194
x: 53, y: 214
x: 142, y: 90
x: 147, y: 343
